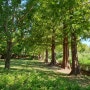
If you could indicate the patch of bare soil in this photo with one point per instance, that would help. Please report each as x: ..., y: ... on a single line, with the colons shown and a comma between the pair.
x: 64, y: 71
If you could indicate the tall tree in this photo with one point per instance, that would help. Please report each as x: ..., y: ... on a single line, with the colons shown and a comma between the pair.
x: 8, y: 25
x: 65, y: 62
x: 77, y: 28
x: 75, y: 63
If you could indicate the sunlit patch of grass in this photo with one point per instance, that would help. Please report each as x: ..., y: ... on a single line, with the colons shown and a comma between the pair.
x: 85, y: 62
x: 84, y: 58
x: 1, y: 65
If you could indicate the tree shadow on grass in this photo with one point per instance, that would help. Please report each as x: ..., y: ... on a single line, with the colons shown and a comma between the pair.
x: 50, y: 77
x: 44, y: 71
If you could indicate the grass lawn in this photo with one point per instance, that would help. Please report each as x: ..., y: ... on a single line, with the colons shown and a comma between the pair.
x: 35, y: 75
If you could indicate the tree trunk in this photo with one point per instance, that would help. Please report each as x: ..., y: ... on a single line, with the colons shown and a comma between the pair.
x: 39, y: 56
x: 42, y: 55
x: 75, y: 64
x: 53, y: 60
x: 46, y: 58
x: 65, y: 62
x: 8, y: 55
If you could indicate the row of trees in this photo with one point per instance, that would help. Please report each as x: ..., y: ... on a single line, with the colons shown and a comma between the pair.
x: 29, y: 26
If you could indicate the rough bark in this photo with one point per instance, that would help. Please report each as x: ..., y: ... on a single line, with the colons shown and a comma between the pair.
x: 46, y: 58
x: 65, y: 62
x: 75, y: 64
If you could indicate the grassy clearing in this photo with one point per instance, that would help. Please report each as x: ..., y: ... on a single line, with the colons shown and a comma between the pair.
x: 34, y: 75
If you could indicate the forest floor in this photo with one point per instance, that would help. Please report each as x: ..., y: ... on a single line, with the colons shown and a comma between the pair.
x: 39, y: 69
x: 83, y: 80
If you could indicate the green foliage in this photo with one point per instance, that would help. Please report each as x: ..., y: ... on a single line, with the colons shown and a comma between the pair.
x: 30, y: 26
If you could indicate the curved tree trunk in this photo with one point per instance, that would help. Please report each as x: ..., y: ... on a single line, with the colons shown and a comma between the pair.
x: 75, y: 64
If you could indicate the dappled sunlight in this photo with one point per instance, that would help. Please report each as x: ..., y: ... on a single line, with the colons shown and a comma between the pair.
x: 43, y: 45
x: 81, y: 80
x: 43, y: 73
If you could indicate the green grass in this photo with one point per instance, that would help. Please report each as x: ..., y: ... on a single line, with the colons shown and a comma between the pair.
x: 35, y: 75
x: 83, y: 58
